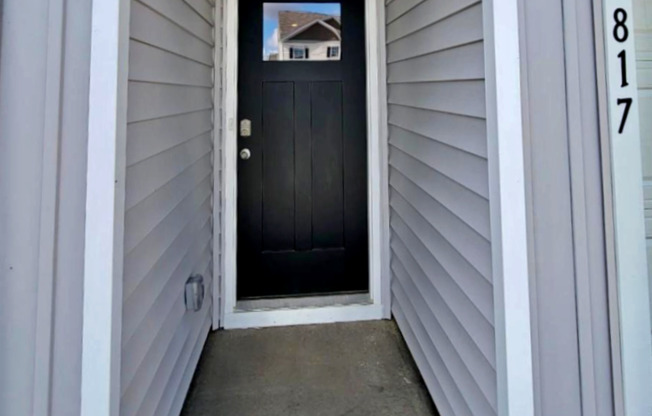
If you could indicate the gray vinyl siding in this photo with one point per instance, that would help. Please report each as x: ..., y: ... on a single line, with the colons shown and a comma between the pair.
x: 442, y: 291
x: 168, y: 208
x: 24, y: 50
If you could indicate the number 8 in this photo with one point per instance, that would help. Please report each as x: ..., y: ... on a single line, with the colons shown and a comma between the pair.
x: 620, y: 16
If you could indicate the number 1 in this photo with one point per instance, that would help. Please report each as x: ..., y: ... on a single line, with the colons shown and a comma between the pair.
x: 623, y: 68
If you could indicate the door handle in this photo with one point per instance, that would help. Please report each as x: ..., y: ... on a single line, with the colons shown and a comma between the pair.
x: 245, y: 154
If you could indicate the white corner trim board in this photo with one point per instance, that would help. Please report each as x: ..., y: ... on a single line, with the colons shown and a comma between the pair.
x: 377, y: 190
x: 508, y: 209
x: 633, y: 347
x: 218, y: 133
x: 105, y: 192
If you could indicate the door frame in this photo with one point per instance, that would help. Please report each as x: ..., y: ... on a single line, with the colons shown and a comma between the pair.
x: 224, y: 294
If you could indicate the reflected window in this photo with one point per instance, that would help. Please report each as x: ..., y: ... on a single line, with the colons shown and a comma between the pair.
x: 333, y: 52
x: 299, y: 53
x: 302, y: 31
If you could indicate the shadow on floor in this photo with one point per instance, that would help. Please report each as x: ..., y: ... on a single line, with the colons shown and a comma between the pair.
x: 353, y: 369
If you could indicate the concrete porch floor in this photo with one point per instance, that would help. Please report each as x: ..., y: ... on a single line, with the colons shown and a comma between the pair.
x: 353, y: 369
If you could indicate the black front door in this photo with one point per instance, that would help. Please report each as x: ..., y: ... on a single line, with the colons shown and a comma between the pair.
x: 302, y: 186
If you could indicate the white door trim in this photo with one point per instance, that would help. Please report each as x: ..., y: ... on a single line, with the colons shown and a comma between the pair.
x: 379, y: 290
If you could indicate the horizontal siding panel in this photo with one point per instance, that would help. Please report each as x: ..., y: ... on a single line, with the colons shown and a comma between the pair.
x: 150, y: 64
x: 475, y: 399
x: 425, y: 14
x: 134, y: 396
x: 144, y: 217
x: 434, y: 360
x: 151, y: 137
x: 471, y: 245
x: 419, y: 258
x: 461, y: 132
x: 399, y: 8
x: 146, y: 347
x: 141, y: 259
x: 184, y: 16
x: 149, y: 101
x: 162, y: 232
x: 456, y: 97
x: 464, y: 168
x: 151, y: 28
x: 177, y: 386
x: 142, y: 302
x: 445, y: 276
x: 462, y: 63
x: 445, y: 327
x: 146, y: 177
x: 184, y: 335
x: 461, y: 244
x: 467, y: 205
x: 451, y: 272
x: 202, y: 8
x: 137, y: 287
x: 457, y: 30
x: 432, y: 382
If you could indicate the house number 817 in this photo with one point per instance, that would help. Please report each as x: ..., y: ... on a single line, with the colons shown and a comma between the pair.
x: 621, y: 34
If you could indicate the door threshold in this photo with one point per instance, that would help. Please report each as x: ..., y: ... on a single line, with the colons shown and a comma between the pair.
x: 302, y: 302
x: 261, y: 313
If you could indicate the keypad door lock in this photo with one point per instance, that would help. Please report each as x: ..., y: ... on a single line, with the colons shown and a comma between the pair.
x: 245, y: 128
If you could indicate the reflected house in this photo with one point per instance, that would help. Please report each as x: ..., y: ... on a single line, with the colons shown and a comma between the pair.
x: 308, y: 36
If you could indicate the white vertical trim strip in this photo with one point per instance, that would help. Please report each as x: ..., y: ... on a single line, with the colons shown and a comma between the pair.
x: 628, y: 217
x: 49, y: 185
x: 229, y: 152
x: 610, y: 250
x: 508, y: 209
x: 383, y: 139
x: 217, y: 163
x: 105, y: 193
x: 377, y: 166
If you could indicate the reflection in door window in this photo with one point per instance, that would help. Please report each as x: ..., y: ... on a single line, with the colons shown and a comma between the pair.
x: 302, y: 31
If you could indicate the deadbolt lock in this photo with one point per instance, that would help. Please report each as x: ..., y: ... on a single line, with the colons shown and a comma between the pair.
x: 245, y: 128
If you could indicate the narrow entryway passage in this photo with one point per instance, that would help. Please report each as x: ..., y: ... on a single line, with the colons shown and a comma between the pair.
x: 355, y: 369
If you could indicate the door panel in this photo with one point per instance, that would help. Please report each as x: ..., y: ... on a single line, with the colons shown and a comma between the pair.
x: 302, y: 195
x: 278, y: 166
x: 328, y: 165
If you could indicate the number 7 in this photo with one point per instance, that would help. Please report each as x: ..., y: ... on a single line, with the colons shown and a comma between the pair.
x: 628, y: 105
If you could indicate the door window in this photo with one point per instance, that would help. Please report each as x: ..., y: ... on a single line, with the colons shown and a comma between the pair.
x: 302, y: 31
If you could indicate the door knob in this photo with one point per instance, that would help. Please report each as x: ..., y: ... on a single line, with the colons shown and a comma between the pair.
x: 245, y: 154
